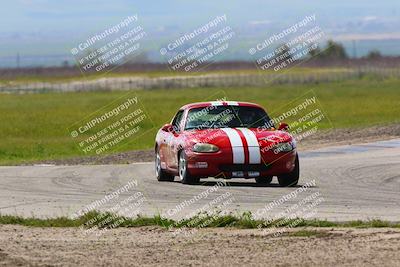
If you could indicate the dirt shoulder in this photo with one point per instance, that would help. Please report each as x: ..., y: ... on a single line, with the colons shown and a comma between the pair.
x: 333, y: 137
x: 350, y: 136
x: 154, y: 246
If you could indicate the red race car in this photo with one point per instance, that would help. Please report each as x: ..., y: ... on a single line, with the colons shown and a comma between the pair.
x: 225, y: 139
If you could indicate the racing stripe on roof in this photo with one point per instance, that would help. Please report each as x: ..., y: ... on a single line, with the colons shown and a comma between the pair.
x: 224, y: 103
x: 216, y: 103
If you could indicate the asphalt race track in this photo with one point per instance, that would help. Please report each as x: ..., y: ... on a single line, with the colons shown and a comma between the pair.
x: 351, y: 182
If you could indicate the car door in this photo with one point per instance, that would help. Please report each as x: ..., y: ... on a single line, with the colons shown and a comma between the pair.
x: 173, y: 140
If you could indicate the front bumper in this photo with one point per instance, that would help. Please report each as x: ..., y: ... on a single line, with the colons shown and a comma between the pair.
x: 220, y: 165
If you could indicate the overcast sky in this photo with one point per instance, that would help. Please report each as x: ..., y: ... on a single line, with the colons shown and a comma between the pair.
x: 81, y: 15
x: 53, y: 26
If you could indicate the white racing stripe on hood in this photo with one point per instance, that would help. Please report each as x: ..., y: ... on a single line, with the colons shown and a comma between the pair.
x: 253, y: 145
x: 236, y: 144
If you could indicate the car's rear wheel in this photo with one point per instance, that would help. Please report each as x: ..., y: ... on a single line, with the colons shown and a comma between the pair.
x: 161, y: 175
x: 184, y: 174
x: 264, y: 180
x: 291, y: 178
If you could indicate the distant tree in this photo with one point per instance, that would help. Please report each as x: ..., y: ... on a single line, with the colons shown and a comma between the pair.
x: 139, y: 58
x: 374, y: 54
x: 314, y: 52
x: 334, y: 50
x: 65, y: 64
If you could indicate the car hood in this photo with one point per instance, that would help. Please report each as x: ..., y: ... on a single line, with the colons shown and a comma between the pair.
x: 232, y: 137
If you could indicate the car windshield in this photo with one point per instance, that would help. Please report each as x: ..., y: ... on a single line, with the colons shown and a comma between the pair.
x: 227, y: 117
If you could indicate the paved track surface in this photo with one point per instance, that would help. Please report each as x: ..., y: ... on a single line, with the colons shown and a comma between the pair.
x: 351, y: 182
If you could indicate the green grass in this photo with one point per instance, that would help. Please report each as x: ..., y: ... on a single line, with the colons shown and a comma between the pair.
x: 243, y: 221
x: 35, y: 126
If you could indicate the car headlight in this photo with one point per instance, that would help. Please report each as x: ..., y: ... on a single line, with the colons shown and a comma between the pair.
x: 284, y: 147
x: 205, y: 148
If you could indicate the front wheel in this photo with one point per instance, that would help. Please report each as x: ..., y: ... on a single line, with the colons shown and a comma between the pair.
x: 161, y: 175
x: 291, y: 178
x: 184, y: 174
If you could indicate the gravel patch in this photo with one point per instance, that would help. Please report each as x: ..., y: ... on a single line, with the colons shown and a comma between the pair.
x: 153, y: 246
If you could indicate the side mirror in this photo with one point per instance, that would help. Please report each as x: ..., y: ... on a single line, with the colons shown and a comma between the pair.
x: 283, y: 126
x: 168, y: 128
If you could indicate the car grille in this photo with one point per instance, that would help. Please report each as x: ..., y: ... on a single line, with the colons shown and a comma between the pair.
x: 244, y: 167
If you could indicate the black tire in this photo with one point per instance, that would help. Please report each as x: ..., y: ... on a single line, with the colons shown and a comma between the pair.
x: 161, y: 175
x: 183, y: 171
x: 292, y: 178
x: 264, y: 180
